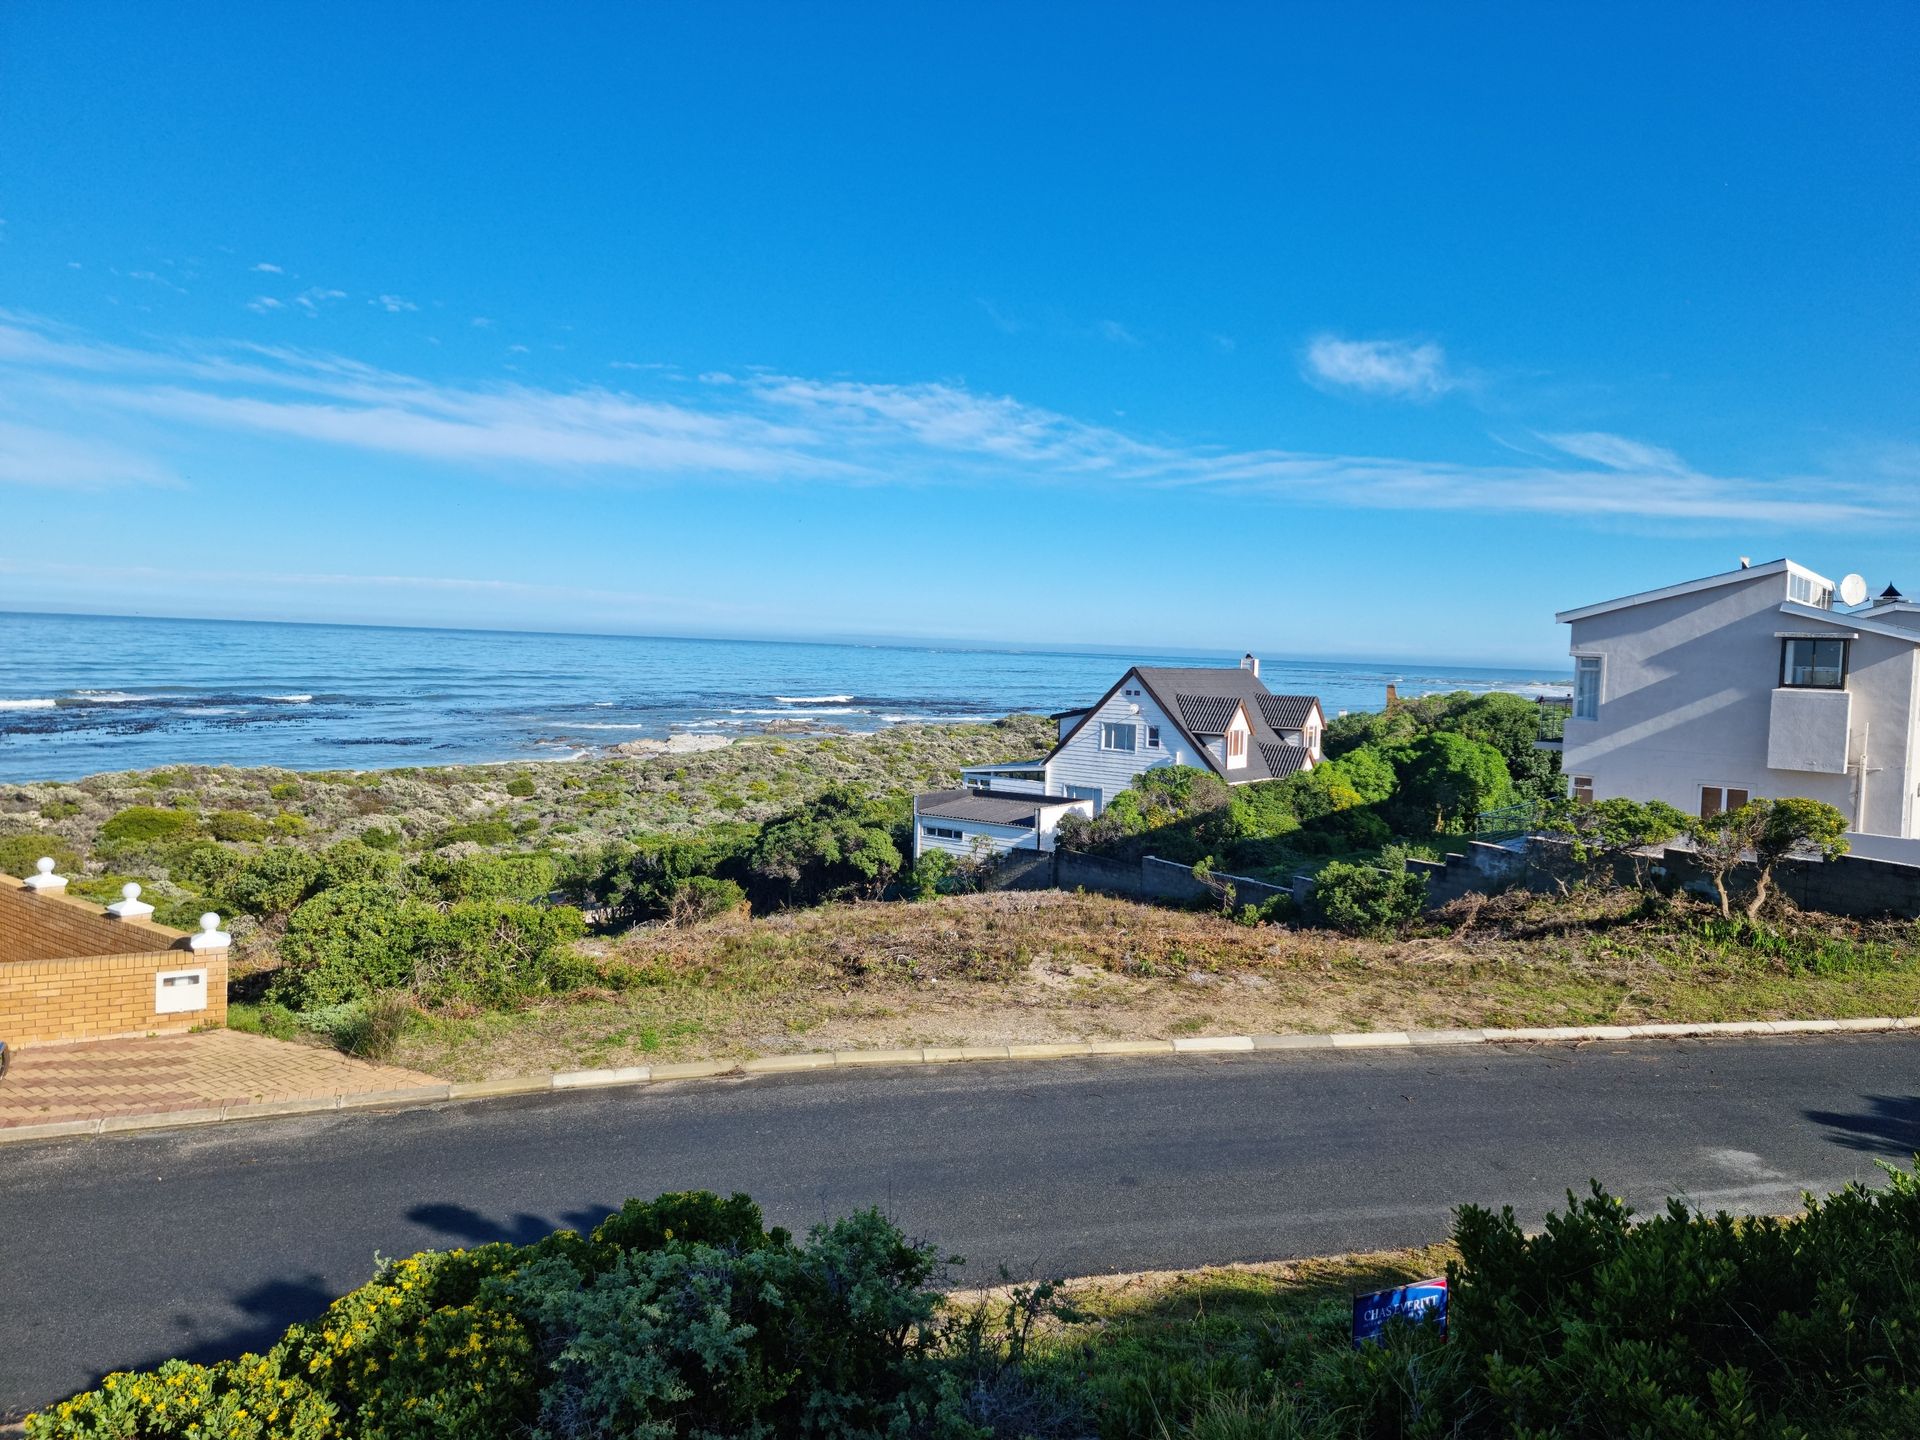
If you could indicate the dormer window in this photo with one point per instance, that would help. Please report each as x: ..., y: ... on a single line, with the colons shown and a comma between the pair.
x: 1236, y: 744
x: 1808, y: 664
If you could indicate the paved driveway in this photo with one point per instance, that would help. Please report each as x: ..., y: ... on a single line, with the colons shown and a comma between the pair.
x: 179, y: 1072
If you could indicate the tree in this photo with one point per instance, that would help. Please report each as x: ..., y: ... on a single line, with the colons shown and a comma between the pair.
x: 1451, y: 777
x: 842, y: 843
x: 1768, y: 831
x: 1795, y: 826
x: 1604, y: 834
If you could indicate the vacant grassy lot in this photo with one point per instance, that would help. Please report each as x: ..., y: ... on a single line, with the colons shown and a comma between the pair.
x: 990, y: 969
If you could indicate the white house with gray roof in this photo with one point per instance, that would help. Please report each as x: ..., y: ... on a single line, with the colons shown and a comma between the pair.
x: 1751, y: 683
x: 1219, y: 718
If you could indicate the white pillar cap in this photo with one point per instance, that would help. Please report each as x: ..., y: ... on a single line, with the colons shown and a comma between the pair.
x: 211, y: 936
x: 44, y: 878
x: 130, y: 906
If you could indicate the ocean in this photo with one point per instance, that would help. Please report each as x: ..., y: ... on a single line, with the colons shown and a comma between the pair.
x: 82, y: 694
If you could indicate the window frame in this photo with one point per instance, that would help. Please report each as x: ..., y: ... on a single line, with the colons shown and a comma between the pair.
x: 1111, y: 730
x: 1726, y: 794
x: 1787, y: 642
x: 1581, y: 788
x: 1599, y: 672
x: 1236, y: 744
x: 942, y: 832
x: 1153, y: 737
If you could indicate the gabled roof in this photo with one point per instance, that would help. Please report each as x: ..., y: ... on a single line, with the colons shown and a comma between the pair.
x: 1213, y: 693
x: 1690, y: 587
x: 1854, y: 623
x: 1206, y: 714
x: 1288, y: 712
x: 1284, y: 759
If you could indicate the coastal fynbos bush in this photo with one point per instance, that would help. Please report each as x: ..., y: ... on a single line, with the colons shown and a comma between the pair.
x: 20, y: 853
x: 702, y: 897
x: 1365, y: 900
x: 683, y: 1316
x: 345, y: 944
x: 141, y: 825
x: 237, y: 826
x: 520, y: 787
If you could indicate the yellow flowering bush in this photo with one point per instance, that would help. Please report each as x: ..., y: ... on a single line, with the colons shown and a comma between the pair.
x: 244, y: 1399
x: 416, y: 1354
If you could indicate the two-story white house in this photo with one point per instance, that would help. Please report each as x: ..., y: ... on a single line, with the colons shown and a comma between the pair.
x: 1220, y: 718
x: 1750, y: 683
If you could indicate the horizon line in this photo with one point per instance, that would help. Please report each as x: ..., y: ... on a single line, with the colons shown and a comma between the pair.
x: 842, y: 639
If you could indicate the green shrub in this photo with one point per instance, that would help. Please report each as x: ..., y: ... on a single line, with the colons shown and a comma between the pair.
x: 19, y: 854
x: 288, y: 824
x: 237, y: 826
x: 273, y: 881
x: 373, y: 1030
x: 521, y: 787
x: 1364, y: 900
x: 490, y: 952
x: 680, y: 1317
x: 144, y: 825
x: 59, y: 808
x: 931, y: 875
x: 702, y: 897
x: 286, y: 790
x: 488, y: 877
x: 480, y: 832
x: 347, y: 943
x: 380, y: 839
x: 246, y: 1399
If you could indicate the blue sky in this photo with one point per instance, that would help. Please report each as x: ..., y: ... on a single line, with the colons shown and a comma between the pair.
x: 1375, y: 332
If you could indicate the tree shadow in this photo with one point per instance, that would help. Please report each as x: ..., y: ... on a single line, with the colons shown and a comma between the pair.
x: 1890, y: 1126
x: 468, y: 1226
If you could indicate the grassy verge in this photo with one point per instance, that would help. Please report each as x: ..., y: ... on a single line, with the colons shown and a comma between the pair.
x: 990, y: 969
x: 1142, y: 1354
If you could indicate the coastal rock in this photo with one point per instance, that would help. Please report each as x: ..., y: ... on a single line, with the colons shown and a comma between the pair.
x: 672, y: 745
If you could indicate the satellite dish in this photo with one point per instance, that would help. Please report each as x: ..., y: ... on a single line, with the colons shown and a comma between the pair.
x: 1853, y: 590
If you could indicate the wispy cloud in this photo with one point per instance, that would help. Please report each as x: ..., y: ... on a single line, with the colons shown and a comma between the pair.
x: 1405, y: 369
x: 267, y: 267
x: 265, y: 304
x: 313, y: 298
x: 770, y: 427
x: 393, y: 304
x: 32, y: 455
x: 1114, y: 333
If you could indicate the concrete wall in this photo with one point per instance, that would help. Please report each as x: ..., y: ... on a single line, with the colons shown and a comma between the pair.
x: 68, y: 972
x: 1482, y: 867
x: 1153, y: 879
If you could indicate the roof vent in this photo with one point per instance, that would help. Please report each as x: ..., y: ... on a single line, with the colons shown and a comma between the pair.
x: 1251, y: 662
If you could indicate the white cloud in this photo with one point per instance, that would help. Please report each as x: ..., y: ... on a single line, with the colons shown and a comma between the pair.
x: 266, y: 267
x: 1413, y: 370
x: 264, y: 304
x: 1616, y: 452
x: 1115, y: 333
x: 775, y: 427
x: 481, y: 322
x: 393, y: 304
x: 30, y: 455
x: 313, y: 298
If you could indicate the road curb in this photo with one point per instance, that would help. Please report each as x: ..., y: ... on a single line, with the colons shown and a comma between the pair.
x: 416, y: 1096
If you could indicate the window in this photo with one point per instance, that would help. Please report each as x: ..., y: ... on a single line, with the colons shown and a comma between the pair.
x: 941, y: 832
x: 1813, y: 664
x: 1586, y: 687
x: 1715, y: 798
x: 1808, y: 592
x: 1153, y: 737
x: 1236, y: 744
x: 1583, y: 789
x: 1117, y: 737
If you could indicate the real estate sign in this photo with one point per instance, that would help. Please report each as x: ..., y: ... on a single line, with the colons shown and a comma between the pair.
x: 1422, y: 1301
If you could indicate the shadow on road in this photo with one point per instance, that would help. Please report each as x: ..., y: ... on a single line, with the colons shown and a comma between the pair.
x: 466, y: 1226
x: 1890, y: 1125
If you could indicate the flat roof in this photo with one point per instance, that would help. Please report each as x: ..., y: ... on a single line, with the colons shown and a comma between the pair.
x: 988, y: 807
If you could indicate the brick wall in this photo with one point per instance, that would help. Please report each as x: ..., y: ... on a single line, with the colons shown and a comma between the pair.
x: 68, y: 972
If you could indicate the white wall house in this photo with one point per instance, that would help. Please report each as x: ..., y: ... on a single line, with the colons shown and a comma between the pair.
x: 1749, y: 683
x: 972, y: 824
x: 1218, y: 718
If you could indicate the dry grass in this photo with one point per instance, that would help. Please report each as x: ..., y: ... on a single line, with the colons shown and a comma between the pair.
x: 993, y: 969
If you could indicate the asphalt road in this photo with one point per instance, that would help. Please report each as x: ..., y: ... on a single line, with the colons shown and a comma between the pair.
x: 121, y: 1251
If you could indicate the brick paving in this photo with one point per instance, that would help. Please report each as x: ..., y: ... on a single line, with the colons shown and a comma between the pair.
x: 180, y: 1072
